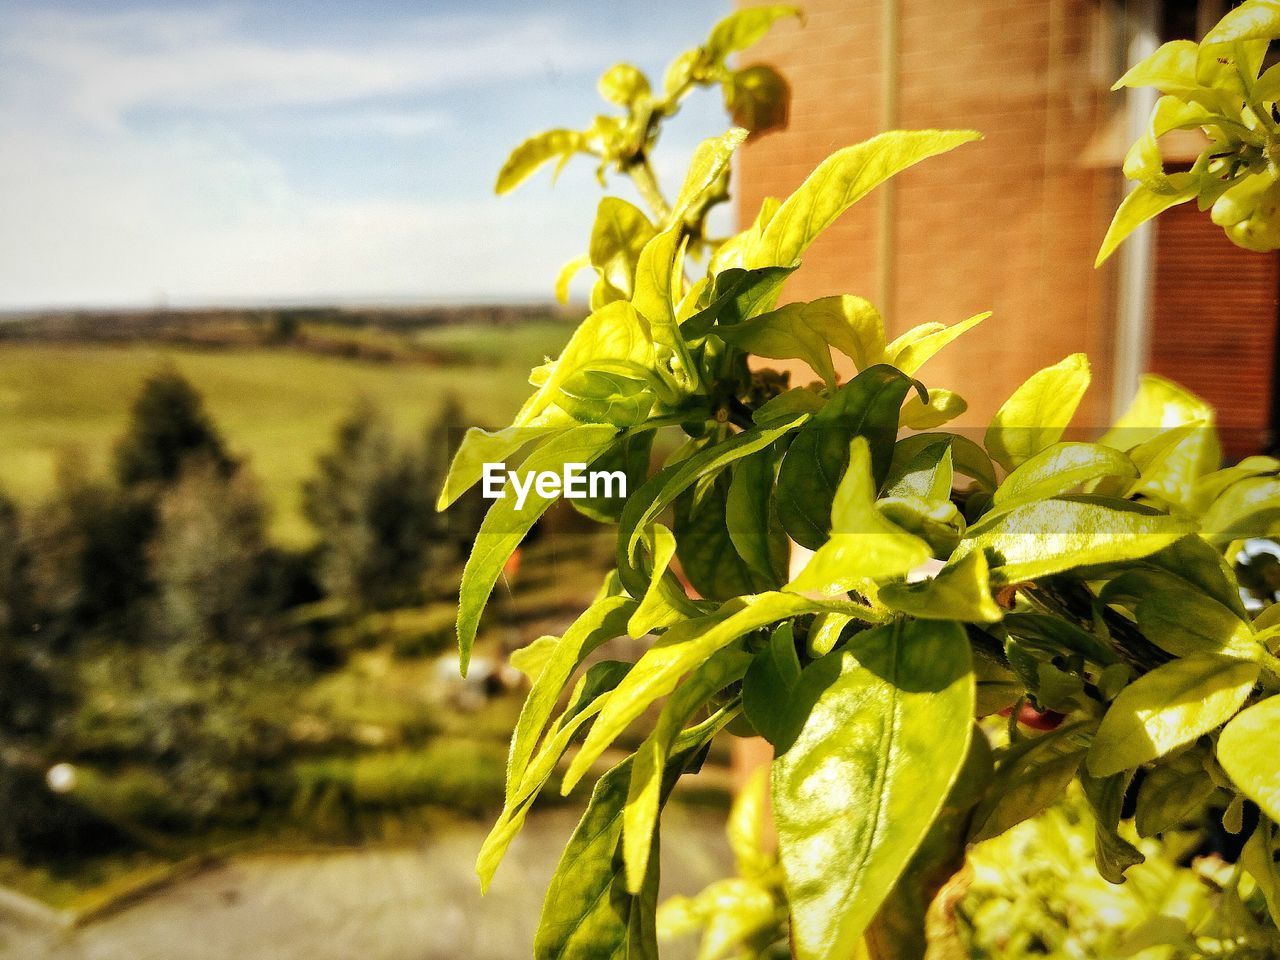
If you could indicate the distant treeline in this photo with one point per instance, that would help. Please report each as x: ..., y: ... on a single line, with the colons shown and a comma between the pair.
x: 369, y: 333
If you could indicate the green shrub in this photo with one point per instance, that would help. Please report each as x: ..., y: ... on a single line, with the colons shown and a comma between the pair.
x: 1086, y: 587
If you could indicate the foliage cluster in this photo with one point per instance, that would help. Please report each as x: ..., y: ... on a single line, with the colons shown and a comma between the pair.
x: 149, y: 625
x: 1084, y: 585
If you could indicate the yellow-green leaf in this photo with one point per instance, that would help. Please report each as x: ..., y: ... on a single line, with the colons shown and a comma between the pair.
x: 744, y: 28
x: 640, y: 815
x: 840, y: 181
x: 1140, y: 205
x: 534, y: 152
x: 943, y: 406
x: 808, y: 331
x: 623, y: 84
x: 960, y: 591
x: 1059, y: 469
x: 1172, y: 705
x: 1247, y: 751
x: 863, y: 544
x: 1039, y: 411
x: 504, y: 526
x: 857, y: 792
x: 910, y: 351
x: 1187, y: 624
x: 1051, y: 536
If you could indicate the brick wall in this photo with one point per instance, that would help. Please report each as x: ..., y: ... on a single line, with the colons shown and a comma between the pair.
x: 1010, y: 224
x: 1214, y: 322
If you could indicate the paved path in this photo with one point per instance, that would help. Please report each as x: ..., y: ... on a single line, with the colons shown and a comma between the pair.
x: 419, y: 903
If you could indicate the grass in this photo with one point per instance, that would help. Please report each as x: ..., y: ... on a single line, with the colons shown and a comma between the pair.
x: 277, y: 407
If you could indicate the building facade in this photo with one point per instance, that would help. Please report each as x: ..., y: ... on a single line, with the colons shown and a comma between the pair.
x: 1012, y: 223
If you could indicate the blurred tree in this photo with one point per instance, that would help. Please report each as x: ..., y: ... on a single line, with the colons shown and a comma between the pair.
x: 168, y: 425
x: 34, y: 697
x: 372, y: 502
x: 209, y: 558
x: 86, y: 551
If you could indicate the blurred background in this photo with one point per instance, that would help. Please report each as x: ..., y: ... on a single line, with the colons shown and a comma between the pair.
x: 254, y: 280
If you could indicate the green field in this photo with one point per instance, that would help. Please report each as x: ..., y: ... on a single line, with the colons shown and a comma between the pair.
x: 277, y: 408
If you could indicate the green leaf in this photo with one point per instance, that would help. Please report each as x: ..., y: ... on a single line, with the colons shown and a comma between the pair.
x: 914, y: 348
x: 1053, y: 536
x: 1195, y: 561
x: 1172, y: 705
x: 863, y: 545
x: 745, y: 28
x: 615, y: 333
x: 1250, y: 508
x: 1112, y: 854
x: 623, y: 84
x: 1038, y: 412
x: 808, y: 331
x: 1258, y: 20
x: 737, y: 295
x: 681, y: 649
x: 866, y: 406
x: 603, y: 620
x: 928, y: 476
x: 967, y: 457
x: 767, y: 689
x: 588, y: 699
x: 840, y: 181
x: 960, y: 591
x: 534, y: 152
x: 710, y: 160
x: 620, y: 233
x: 1059, y: 469
x: 504, y: 526
x: 640, y: 815
x: 1171, y: 793
x: 664, y: 602
x: 753, y: 523
x: 1030, y: 776
x: 604, y: 396
x: 787, y: 405
x: 1140, y: 205
x: 905, y: 926
x: 1258, y: 857
x: 565, y: 277
x: 629, y: 455
x: 942, y: 407
x: 479, y: 447
x: 1246, y: 750
x: 857, y: 792
x: 659, y: 280
x: 825, y: 632
x: 661, y: 490
x: 749, y: 825
x: 1159, y: 406
x: 758, y: 98
x: 705, y: 546
x: 1171, y: 69
x: 588, y: 910
x: 1059, y: 637
x: 533, y: 656
x: 1188, y: 624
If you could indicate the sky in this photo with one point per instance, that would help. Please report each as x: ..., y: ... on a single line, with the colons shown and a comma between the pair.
x: 307, y: 151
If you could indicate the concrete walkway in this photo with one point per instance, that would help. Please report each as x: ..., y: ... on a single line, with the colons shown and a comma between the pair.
x: 419, y: 903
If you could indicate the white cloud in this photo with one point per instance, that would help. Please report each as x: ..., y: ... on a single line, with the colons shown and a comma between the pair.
x: 194, y: 218
x: 102, y: 203
x: 105, y: 65
x: 99, y: 210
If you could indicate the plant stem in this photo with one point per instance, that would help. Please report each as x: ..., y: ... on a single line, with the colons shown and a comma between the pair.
x: 642, y: 176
